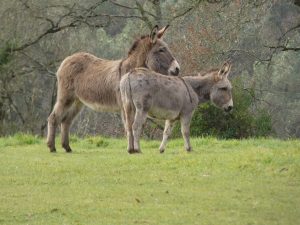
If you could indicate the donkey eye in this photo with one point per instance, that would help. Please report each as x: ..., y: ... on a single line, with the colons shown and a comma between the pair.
x: 161, y: 50
x: 224, y: 88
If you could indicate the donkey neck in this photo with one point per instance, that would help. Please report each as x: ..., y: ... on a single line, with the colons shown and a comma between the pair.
x: 133, y: 61
x: 201, y: 85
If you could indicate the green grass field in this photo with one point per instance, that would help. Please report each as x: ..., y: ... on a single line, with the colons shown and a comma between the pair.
x: 221, y: 182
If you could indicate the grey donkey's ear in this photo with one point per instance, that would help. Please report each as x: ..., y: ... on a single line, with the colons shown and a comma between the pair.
x: 225, y: 70
x: 162, y: 31
x: 154, y: 34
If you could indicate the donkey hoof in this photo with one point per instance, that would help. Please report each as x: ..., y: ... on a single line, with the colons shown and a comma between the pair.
x: 137, y: 151
x: 69, y: 150
x: 52, y: 150
x: 161, y: 151
x: 134, y: 151
x: 189, y: 149
x: 51, y: 147
x: 130, y: 151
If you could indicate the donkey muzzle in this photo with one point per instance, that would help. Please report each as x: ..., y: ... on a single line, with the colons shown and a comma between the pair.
x: 228, y: 109
x: 174, y: 68
x: 229, y: 106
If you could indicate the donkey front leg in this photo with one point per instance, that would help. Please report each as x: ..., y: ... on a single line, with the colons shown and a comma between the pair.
x: 167, y: 133
x: 185, y: 130
x: 53, y: 120
x: 139, y: 120
x: 66, y: 123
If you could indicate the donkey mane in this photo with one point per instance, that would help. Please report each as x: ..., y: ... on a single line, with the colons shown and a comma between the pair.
x: 207, y: 72
x: 201, y: 73
x: 136, y: 43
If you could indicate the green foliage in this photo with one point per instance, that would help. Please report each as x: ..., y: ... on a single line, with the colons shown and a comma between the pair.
x: 98, y: 141
x: 19, y: 139
x: 5, y: 53
x: 241, y: 123
x: 262, y: 124
x: 280, y: 90
x: 253, y: 181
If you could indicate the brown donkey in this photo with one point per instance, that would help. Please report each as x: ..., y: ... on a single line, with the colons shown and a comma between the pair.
x: 146, y: 93
x: 85, y: 79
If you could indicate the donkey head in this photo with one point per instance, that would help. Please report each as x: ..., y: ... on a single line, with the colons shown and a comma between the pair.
x: 152, y: 52
x: 220, y: 94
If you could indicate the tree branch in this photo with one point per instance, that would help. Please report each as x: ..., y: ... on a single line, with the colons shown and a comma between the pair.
x: 143, y: 13
x: 283, y: 48
x: 72, y: 13
x: 52, y: 73
x: 37, y: 39
x: 121, y: 5
x: 182, y: 13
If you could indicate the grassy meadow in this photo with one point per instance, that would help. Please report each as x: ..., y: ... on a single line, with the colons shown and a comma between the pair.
x: 255, y: 181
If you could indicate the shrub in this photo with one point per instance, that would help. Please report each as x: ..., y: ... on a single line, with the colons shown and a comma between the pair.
x: 5, y: 53
x: 243, y: 122
x: 19, y: 139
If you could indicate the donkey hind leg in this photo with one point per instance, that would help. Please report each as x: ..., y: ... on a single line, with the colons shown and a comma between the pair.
x: 53, y: 120
x: 128, y: 121
x: 123, y: 117
x: 167, y: 133
x: 185, y: 131
x: 67, y: 122
x: 139, y: 120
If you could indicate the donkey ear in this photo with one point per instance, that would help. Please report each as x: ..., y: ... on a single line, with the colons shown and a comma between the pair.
x: 154, y: 35
x: 225, y: 70
x: 162, y: 31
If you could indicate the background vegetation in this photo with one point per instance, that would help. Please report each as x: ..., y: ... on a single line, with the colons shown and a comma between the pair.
x: 260, y: 37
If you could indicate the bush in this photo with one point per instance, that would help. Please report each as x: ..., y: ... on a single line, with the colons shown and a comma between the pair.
x: 5, y: 53
x: 243, y: 122
x: 19, y: 139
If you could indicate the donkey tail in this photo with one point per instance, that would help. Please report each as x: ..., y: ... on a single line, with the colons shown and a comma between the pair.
x: 126, y: 94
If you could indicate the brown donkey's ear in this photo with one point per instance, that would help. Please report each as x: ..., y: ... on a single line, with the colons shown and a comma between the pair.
x: 154, y: 35
x: 225, y: 70
x: 162, y: 31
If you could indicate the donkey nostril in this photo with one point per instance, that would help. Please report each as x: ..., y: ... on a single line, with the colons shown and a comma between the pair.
x: 176, y: 72
x: 229, y: 108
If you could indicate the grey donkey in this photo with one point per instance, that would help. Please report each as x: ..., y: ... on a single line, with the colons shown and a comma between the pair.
x: 147, y: 93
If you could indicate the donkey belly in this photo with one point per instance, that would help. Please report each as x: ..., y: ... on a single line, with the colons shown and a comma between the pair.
x: 163, y: 114
x: 99, y: 99
x: 100, y: 107
x: 165, y: 105
x: 96, y: 83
